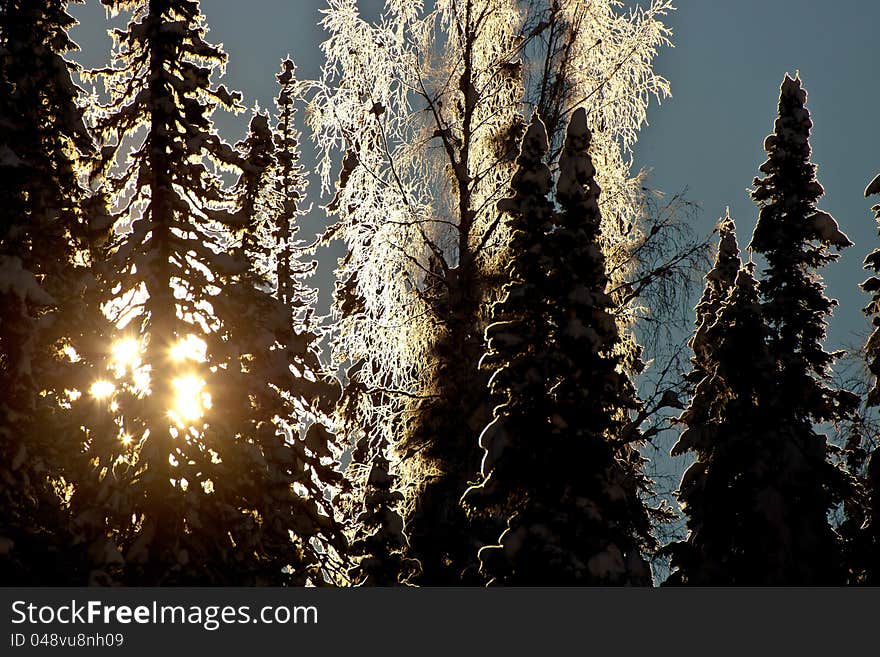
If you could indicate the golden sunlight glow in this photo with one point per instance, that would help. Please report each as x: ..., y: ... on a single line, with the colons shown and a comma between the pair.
x: 141, y: 379
x: 101, y: 389
x: 126, y: 439
x: 189, y: 348
x: 126, y: 355
x: 190, y: 399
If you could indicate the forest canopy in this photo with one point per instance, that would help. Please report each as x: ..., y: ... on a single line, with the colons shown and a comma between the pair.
x: 519, y: 323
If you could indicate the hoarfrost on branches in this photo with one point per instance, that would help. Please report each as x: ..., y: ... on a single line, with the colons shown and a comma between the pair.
x: 426, y: 106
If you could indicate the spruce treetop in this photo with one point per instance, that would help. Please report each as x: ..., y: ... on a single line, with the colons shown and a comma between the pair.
x: 796, y: 238
x: 719, y: 281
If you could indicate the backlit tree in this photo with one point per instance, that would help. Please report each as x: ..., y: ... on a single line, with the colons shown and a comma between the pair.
x: 425, y: 107
x: 558, y: 460
x: 210, y: 476
x: 50, y: 235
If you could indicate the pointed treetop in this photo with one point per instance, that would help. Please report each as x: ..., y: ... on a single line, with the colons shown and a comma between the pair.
x: 532, y: 170
x: 259, y: 121
x: 791, y: 128
x: 790, y: 189
x: 577, y: 126
x: 535, y: 145
x: 720, y: 281
x: 288, y: 71
x: 727, y: 261
x: 791, y: 88
x: 577, y: 182
x: 745, y: 282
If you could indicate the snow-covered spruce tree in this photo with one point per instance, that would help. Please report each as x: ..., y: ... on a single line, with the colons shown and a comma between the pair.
x: 518, y: 337
x: 867, y: 540
x: 426, y: 108
x: 371, y: 499
x: 872, y: 310
x: 558, y: 460
x: 597, y: 56
x: 795, y: 239
x: 49, y: 231
x: 728, y: 318
x: 742, y: 521
x: 291, y: 187
x: 700, y: 382
x: 719, y: 281
x: 273, y: 359
x: 592, y: 392
x: 207, y: 478
x: 379, y: 544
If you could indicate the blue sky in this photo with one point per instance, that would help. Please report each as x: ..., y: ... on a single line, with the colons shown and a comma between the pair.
x: 728, y: 62
x: 725, y: 69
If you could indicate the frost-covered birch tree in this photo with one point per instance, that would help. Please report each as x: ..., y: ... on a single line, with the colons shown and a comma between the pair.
x: 426, y: 108
x: 208, y: 476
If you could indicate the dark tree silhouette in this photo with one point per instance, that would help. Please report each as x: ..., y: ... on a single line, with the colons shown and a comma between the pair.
x: 737, y: 526
x: 517, y: 338
x: 866, y: 539
x: 795, y: 238
x: 379, y: 545
x: 50, y: 232
x: 559, y: 462
x: 719, y: 282
x: 759, y: 495
x: 273, y: 359
x: 717, y: 491
x: 213, y: 480
x: 872, y: 310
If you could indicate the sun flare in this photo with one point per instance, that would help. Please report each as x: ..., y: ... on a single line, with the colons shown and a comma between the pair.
x: 190, y: 347
x: 126, y: 354
x: 190, y: 399
x: 102, y: 389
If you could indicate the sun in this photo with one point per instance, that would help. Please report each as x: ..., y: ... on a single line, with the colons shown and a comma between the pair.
x: 190, y: 399
x: 126, y: 355
x: 102, y: 389
x: 190, y: 347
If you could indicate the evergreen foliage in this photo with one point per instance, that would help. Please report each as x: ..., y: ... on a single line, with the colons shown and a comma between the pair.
x: 865, y: 560
x: 759, y: 495
x: 215, y: 479
x: 796, y: 238
x: 558, y: 461
x: 735, y: 509
x: 872, y: 310
x: 50, y: 333
x: 379, y: 545
x: 165, y: 414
